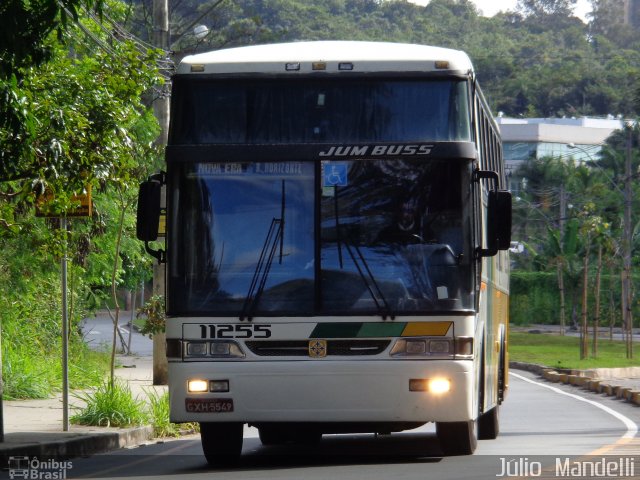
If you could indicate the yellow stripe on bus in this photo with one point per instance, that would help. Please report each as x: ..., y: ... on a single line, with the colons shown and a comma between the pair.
x: 419, y: 329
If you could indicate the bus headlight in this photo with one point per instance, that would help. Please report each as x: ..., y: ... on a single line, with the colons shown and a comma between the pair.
x: 197, y: 349
x: 416, y: 347
x: 422, y: 347
x: 203, y: 386
x: 226, y: 349
x: 219, y: 349
x: 437, y: 386
x: 443, y: 347
x: 198, y: 386
x: 440, y: 346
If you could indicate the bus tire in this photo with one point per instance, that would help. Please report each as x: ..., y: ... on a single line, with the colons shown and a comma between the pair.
x: 457, y: 438
x: 221, y: 442
x: 489, y: 424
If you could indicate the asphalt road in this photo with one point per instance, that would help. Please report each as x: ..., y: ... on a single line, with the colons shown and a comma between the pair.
x: 540, y: 423
x: 98, y: 333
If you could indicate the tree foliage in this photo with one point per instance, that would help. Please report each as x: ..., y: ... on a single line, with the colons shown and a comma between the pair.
x: 75, y: 119
x: 537, y: 60
x: 582, y: 236
x: 26, y: 28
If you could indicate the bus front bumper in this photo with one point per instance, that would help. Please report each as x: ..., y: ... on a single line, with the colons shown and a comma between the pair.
x: 323, y: 391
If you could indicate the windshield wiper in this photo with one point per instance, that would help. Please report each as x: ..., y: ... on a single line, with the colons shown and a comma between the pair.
x: 367, y: 278
x: 370, y: 282
x: 273, y: 240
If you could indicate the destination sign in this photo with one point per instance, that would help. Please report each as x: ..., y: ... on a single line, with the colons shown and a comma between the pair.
x: 258, y: 168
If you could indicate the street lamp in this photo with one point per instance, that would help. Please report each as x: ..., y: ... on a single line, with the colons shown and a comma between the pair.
x: 593, y: 162
x: 200, y: 31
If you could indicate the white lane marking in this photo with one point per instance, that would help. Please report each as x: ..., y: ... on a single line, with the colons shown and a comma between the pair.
x: 632, y: 428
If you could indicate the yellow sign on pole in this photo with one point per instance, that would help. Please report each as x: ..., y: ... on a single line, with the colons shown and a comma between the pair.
x: 83, y: 205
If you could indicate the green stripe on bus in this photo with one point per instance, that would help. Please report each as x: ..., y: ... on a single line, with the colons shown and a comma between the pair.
x: 336, y: 330
x: 371, y: 330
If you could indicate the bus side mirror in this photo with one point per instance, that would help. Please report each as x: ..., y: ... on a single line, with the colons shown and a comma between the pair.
x: 499, y: 220
x: 148, y: 215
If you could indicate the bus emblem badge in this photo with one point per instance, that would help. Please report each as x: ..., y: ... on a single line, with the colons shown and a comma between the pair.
x: 317, y: 348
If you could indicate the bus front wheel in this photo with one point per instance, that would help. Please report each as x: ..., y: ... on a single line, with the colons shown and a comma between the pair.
x: 457, y: 438
x: 221, y: 442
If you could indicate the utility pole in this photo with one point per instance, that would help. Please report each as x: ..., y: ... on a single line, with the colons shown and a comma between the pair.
x: 161, y: 40
x: 161, y: 110
x: 560, y: 262
x: 65, y: 329
x: 626, y: 242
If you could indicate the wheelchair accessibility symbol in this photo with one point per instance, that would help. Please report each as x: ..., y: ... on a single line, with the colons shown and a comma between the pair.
x: 335, y: 175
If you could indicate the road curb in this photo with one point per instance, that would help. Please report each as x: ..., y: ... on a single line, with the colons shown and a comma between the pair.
x: 72, y: 444
x: 583, y: 379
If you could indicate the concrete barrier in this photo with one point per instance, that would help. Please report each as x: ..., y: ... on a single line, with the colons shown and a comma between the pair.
x: 591, y: 380
x: 551, y: 376
x: 594, y: 385
x: 606, y: 389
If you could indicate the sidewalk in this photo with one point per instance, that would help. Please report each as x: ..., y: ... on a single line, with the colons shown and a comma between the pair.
x: 34, y: 428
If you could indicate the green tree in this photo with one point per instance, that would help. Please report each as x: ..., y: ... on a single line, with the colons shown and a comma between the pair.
x: 607, y: 24
x: 26, y: 28
x: 87, y: 126
x: 545, y: 8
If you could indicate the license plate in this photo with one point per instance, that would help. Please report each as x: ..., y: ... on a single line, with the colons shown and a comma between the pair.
x: 209, y: 405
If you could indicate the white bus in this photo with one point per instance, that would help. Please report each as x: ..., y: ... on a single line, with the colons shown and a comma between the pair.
x: 336, y: 246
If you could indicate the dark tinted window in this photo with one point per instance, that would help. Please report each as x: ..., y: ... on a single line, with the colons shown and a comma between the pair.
x: 296, y: 111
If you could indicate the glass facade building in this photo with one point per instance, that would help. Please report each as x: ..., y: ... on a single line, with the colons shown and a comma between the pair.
x: 579, y: 139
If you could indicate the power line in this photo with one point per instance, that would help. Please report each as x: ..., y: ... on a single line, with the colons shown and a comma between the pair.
x: 116, y: 33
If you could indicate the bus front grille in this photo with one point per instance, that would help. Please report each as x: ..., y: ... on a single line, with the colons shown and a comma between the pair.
x: 300, y: 348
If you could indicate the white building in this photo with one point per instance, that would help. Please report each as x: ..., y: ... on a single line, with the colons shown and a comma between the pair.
x: 527, y: 138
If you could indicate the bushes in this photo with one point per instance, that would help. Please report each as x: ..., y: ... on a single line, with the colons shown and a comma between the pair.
x: 30, y: 316
x: 159, y: 413
x: 113, y: 405
x: 534, y: 298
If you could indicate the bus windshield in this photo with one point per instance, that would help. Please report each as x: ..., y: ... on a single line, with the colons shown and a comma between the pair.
x: 389, y: 237
x: 288, y: 111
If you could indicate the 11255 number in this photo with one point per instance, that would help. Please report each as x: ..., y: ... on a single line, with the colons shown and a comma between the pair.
x: 235, y: 331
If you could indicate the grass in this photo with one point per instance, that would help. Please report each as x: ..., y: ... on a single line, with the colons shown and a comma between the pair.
x: 31, y: 370
x: 159, y: 413
x: 115, y: 406
x: 564, y: 352
x: 111, y: 405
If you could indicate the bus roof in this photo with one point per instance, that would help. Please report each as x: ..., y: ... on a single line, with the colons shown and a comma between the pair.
x: 328, y: 57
